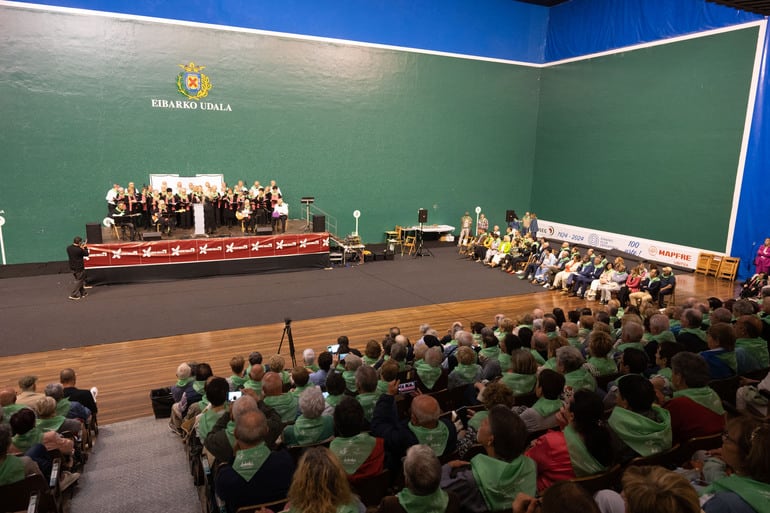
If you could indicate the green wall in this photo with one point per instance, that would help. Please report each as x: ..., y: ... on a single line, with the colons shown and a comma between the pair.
x: 382, y: 131
x: 646, y: 143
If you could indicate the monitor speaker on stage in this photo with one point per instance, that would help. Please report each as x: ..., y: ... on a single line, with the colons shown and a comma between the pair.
x: 319, y: 224
x: 422, y: 216
x: 264, y: 230
x: 510, y: 215
x: 151, y: 236
x: 94, y: 233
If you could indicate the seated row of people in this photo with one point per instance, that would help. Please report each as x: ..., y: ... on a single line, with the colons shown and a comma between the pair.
x: 38, y: 427
x: 655, y: 402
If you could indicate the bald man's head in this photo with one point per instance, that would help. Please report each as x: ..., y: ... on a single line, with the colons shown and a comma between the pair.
x: 425, y: 411
x: 272, y: 384
x: 7, y: 396
x: 257, y: 372
x: 250, y: 428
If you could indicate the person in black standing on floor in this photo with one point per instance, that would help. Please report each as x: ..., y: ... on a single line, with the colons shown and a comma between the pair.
x: 76, y: 251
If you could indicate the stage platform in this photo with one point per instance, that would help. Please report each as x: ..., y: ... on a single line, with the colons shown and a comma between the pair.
x: 173, y: 259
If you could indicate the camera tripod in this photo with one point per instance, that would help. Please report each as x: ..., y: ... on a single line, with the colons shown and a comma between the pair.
x: 287, y: 332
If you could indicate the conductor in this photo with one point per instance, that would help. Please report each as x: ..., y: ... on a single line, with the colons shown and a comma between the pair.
x: 76, y: 251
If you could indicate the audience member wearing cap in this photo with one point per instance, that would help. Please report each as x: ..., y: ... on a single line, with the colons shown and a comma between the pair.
x: 29, y: 395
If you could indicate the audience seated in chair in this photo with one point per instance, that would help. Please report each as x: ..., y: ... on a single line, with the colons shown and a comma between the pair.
x: 542, y: 415
x: 422, y: 493
x: 491, y: 481
x: 489, y: 395
x: 285, y: 404
x: 696, y: 410
x: 256, y: 474
x: 50, y: 420
x: 216, y: 393
x: 335, y: 387
x: 28, y: 396
x: 650, y: 489
x: 750, y: 348
x: 641, y: 427
x: 720, y: 355
x: 582, y: 448
x: 570, y: 362
x: 311, y: 427
x: 424, y: 426
x: 320, y: 485
x: 87, y: 398
x: 361, y: 455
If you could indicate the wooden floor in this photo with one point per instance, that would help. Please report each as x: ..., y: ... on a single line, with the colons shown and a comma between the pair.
x: 125, y: 372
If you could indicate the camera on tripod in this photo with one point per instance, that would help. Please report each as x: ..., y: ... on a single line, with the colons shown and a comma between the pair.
x: 287, y: 321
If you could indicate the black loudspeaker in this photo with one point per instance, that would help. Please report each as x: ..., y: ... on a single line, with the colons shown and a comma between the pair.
x: 422, y: 216
x: 151, y: 236
x: 319, y: 224
x: 264, y: 230
x: 94, y: 233
x: 510, y: 215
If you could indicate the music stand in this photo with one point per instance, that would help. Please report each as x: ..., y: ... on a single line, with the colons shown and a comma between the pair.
x: 307, y: 201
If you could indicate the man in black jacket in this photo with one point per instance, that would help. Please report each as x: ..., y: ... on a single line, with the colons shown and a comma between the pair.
x: 76, y: 251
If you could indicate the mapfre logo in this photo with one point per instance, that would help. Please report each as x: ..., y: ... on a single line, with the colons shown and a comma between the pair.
x: 192, y: 83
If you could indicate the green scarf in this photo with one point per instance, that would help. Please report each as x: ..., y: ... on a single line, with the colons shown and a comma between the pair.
x: 63, y: 407
x: 666, y: 372
x: 664, y: 336
x: 550, y: 363
x: 297, y: 391
x: 342, y: 508
x: 334, y: 400
x: 230, y: 432
x: 435, y: 438
x: 630, y: 345
x: 308, y: 431
x: 285, y: 377
x: 642, y: 434
x: 10, y: 409
x: 478, y: 417
x: 519, y: 383
x: 674, y: 323
x: 370, y: 361
x: 353, y: 451
x: 51, y: 424
x: 382, y: 387
x: 603, y: 366
x: 207, y: 420
x: 253, y: 385
x: 350, y: 380
x: 757, y: 347
x: 28, y: 439
x: 12, y: 470
x: 705, y: 396
x: 427, y: 374
x: 490, y: 352
x: 431, y: 503
x: 468, y: 372
x: 284, y: 404
x: 249, y: 461
x: 505, y: 361
x: 538, y: 357
x: 695, y: 331
x: 580, y: 379
x: 575, y: 342
x: 368, y: 401
x: 499, y: 482
x: 546, y: 407
x: 183, y: 382
x: 728, y: 357
x: 755, y: 493
x: 238, y: 381
x: 199, y: 386
x: 583, y: 462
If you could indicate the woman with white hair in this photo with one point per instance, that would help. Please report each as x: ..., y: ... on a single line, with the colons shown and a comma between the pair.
x: 310, y: 427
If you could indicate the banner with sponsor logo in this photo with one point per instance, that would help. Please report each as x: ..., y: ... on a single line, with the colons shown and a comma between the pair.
x: 663, y: 252
x: 204, y: 250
